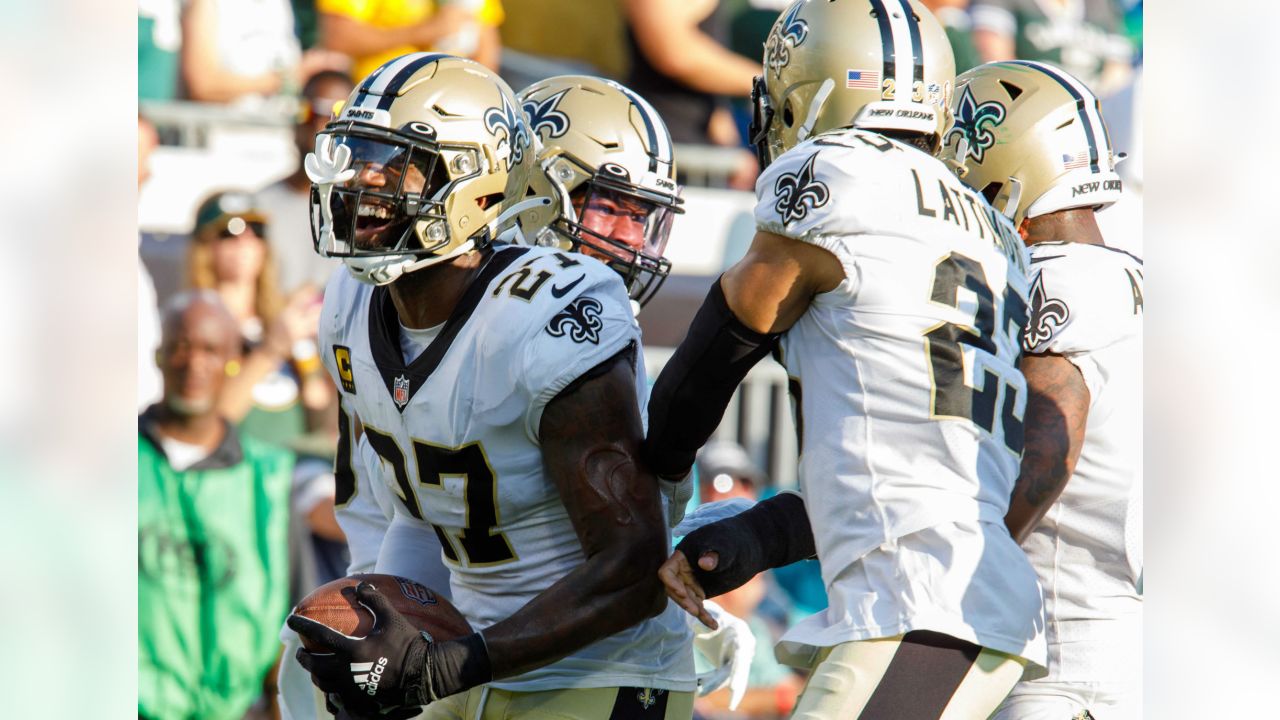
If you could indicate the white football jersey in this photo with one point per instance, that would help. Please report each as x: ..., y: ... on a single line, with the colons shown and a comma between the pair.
x: 909, y: 400
x: 456, y: 431
x: 1086, y: 305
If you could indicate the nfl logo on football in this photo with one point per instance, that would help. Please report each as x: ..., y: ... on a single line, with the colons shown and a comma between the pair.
x: 414, y: 591
x: 400, y: 391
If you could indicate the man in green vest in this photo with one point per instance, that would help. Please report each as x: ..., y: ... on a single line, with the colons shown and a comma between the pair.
x: 213, y: 517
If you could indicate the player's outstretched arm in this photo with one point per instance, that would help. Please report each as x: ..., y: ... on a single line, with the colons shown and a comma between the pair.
x: 724, y: 555
x: 760, y: 297
x: 590, y: 435
x: 1057, y: 407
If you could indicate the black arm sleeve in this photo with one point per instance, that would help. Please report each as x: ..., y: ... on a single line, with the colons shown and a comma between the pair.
x: 691, y: 393
x: 773, y: 533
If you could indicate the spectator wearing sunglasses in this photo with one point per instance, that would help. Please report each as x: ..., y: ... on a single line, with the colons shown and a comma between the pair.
x: 270, y: 388
x: 288, y: 202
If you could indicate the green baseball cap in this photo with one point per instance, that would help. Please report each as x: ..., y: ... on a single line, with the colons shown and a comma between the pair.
x: 221, y: 209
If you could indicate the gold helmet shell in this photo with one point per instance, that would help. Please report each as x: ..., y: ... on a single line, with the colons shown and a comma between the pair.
x: 883, y: 65
x: 429, y: 158
x: 606, y: 158
x: 1032, y: 138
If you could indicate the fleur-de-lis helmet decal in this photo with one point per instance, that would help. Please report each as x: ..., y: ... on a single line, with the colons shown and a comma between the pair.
x: 507, y: 124
x: 543, y: 115
x: 974, y: 123
x: 800, y: 192
x: 791, y: 33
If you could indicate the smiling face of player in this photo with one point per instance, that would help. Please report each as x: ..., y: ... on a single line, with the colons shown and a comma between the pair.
x: 385, y: 171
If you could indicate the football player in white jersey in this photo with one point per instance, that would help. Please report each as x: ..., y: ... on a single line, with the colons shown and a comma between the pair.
x: 896, y: 298
x: 594, y: 134
x: 607, y: 160
x: 499, y: 385
x: 1033, y: 138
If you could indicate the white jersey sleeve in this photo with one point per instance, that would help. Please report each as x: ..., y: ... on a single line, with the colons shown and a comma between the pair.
x: 795, y: 200
x: 592, y: 323
x: 1086, y: 306
x: 839, y: 187
x: 362, y: 504
x: 1084, y: 298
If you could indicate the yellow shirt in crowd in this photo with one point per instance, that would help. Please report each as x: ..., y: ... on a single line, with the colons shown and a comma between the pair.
x: 395, y: 14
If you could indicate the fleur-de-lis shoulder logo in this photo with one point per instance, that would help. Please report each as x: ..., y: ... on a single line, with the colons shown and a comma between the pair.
x: 543, y: 115
x: 507, y: 125
x: 580, y: 320
x: 974, y: 122
x: 790, y: 33
x: 1047, y: 315
x: 799, y: 192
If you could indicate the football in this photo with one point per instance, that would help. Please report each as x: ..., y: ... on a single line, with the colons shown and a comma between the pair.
x: 331, y: 606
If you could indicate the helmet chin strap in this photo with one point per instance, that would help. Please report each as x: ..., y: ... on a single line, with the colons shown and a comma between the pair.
x: 956, y: 161
x: 815, y: 107
x: 386, y: 270
x: 1012, y: 195
x: 518, y: 208
x: 462, y: 249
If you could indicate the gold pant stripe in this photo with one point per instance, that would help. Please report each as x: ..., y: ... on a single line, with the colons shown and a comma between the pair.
x: 990, y: 679
x: 939, y: 679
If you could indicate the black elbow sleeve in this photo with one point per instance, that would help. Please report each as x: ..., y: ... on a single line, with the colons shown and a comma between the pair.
x: 693, y: 390
x: 773, y: 533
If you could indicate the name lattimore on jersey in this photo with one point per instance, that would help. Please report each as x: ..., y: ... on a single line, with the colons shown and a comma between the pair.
x: 946, y: 201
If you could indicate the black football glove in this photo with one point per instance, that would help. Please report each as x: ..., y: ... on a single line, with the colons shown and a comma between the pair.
x: 382, y: 671
x: 773, y: 533
x: 334, y: 705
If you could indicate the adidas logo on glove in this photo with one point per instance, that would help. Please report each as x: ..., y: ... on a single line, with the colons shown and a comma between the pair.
x: 367, y: 680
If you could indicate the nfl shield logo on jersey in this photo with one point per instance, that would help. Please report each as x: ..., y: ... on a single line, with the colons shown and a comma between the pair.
x: 400, y: 391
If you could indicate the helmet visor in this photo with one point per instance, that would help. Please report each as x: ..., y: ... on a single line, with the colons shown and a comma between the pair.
x: 627, y: 230
x: 629, y: 223
x: 374, y: 211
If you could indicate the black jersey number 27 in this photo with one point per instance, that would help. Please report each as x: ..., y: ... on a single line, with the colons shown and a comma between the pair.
x: 478, y: 542
x: 951, y: 396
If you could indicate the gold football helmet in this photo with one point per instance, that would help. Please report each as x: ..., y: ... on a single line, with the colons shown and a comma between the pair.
x: 1032, y: 139
x: 429, y: 158
x: 606, y: 158
x: 877, y: 64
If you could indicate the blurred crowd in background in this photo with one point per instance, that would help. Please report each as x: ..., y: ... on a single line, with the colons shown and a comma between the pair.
x: 231, y: 95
